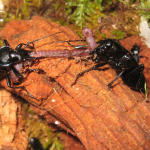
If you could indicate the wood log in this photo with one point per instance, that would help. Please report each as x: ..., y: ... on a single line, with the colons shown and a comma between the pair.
x: 101, y: 119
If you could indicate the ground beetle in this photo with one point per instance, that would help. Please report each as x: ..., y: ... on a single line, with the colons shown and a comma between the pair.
x: 12, y: 61
x: 112, y: 52
x: 36, y: 144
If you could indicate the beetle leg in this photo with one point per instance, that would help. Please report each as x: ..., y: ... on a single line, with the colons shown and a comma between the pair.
x: 139, y: 68
x: 69, y: 42
x: 37, y: 70
x: 109, y: 85
x: 77, y: 46
x: 19, y: 87
x: 18, y: 47
x: 16, y: 72
x: 138, y: 75
x: 6, y: 43
x: 8, y: 80
x: 92, y: 68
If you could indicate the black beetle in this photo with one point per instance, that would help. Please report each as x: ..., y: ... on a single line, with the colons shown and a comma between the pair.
x: 12, y: 61
x: 113, y: 53
x: 10, y: 57
x: 36, y: 144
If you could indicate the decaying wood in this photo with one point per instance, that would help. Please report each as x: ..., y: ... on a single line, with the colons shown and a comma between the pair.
x: 101, y: 119
x: 8, y: 123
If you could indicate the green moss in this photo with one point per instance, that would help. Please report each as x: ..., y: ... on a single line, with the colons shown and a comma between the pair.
x: 39, y: 129
x: 103, y: 35
x: 118, y: 34
x: 23, y: 9
x: 146, y: 91
x: 26, y: 107
x: 145, y: 9
x: 30, y: 111
x: 81, y: 12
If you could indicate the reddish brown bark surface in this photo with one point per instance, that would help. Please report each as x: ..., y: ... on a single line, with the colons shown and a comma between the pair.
x: 101, y: 119
x: 8, y: 123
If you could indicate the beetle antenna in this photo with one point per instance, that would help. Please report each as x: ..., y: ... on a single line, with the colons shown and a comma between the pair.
x: 28, y: 43
x: 67, y: 41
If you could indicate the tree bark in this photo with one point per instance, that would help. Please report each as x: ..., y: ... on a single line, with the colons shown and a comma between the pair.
x: 101, y: 119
